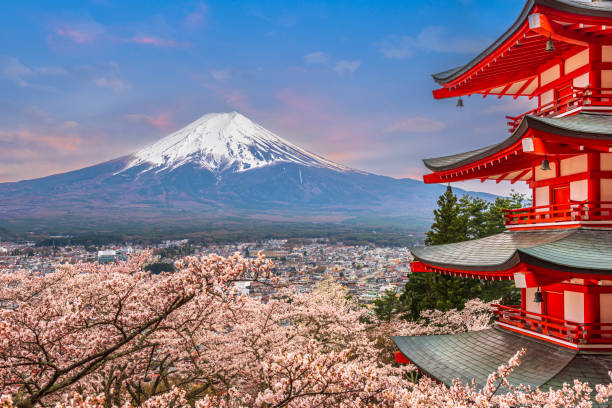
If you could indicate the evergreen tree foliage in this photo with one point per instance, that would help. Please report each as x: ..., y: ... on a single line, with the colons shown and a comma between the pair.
x: 449, y: 225
x: 457, y: 220
x: 389, y: 305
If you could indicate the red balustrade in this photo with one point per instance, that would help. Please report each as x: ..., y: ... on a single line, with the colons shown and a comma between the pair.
x: 573, y: 332
x: 573, y: 211
x: 577, y: 98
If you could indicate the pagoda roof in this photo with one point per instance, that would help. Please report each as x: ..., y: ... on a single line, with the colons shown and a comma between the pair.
x: 598, y: 9
x: 476, y: 354
x: 509, y: 66
x: 591, y: 125
x: 579, y: 251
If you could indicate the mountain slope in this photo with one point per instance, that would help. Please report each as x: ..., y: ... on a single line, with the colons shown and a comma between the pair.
x: 221, y: 165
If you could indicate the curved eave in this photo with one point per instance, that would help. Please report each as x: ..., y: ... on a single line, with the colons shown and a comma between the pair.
x: 578, y: 252
x: 452, y: 74
x: 451, y: 79
x: 476, y: 354
x: 590, y: 126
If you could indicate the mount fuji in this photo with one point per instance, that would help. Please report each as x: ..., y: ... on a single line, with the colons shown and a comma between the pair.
x: 221, y: 165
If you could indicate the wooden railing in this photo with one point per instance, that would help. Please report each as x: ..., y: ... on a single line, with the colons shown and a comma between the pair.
x: 573, y: 332
x: 573, y: 211
x: 578, y: 97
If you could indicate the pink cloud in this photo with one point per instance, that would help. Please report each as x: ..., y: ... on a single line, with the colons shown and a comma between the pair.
x: 76, y: 36
x: 63, y: 142
x: 236, y: 99
x: 156, y: 42
x: 80, y: 33
x: 293, y: 100
x: 161, y: 120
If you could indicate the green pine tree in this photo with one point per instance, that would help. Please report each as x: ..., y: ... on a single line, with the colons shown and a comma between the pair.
x: 388, y: 305
x: 425, y: 291
x: 457, y: 220
x: 449, y: 223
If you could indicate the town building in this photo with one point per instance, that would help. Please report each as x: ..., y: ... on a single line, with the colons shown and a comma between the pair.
x: 559, y: 250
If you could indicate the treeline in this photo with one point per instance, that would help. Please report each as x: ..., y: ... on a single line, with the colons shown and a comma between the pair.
x: 233, y: 233
x: 455, y: 220
x: 84, y: 240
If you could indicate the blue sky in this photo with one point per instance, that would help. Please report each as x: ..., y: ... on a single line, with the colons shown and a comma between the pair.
x: 86, y: 81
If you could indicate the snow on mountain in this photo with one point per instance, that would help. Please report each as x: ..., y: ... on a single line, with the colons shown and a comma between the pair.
x: 225, y: 142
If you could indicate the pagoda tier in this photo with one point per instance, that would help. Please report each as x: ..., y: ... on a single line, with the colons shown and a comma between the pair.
x: 571, y: 268
x: 575, y: 191
x: 514, y: 158
x: 524, y: 62
x: 475, y: 355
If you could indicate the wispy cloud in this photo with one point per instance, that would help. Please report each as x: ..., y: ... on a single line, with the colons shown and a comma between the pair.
x: 416, y: 125
x: 236, y: 99
x: 160, y: 120
x: 430, y: 39
x: 13, y: 70
x: 317, y: 57
x: 344, y: 67
x: 229, y: 73
x: 155, y: 42
x: 220, y: 74
x: 103, y: 76
x: 196, y: 17
x: 89, y: 32
x: 79, y: 33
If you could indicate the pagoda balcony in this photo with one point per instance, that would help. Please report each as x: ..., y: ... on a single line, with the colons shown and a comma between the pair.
x: 572, y: 213
x: 574, y: 101
x: 564, y: 332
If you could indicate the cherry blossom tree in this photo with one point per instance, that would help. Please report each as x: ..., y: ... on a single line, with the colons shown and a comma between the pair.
x: 102, y: 336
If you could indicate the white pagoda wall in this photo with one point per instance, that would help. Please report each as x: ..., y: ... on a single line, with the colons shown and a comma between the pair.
x: 530, y: 305
x: 573, y: 306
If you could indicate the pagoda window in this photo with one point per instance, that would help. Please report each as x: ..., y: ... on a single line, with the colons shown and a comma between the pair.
x: 574, y: 165
x: 576, y: 61
x: 542, y: 197
x: 605, y: 161
x: 581, y: 81
x: 606, y: 53
x: 606, y: 192
x: 606, y: 80
x: 550, y: 74
x: 547, y: 97
x: 605, y: 311
x: 579, y: 190
x: 573, y: 306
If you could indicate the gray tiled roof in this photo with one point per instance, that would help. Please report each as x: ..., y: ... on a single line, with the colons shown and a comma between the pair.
x: 475, y: 355
x: 579, y: 250
x: 582, y: 126
x: 584, y: 249
x: 601, y: 8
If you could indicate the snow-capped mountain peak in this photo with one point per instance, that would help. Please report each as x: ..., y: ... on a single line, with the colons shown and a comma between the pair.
x: 225, y: 141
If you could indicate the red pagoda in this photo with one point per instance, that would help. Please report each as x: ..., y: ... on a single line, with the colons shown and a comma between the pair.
x: 559, y: 251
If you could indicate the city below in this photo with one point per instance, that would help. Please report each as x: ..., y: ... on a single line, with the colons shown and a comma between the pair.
x: 366, y: 271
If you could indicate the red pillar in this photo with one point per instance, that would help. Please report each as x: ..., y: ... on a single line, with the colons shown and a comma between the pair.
x: 594, y: 58
x: 594, y: 184
x: 591, y: 302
